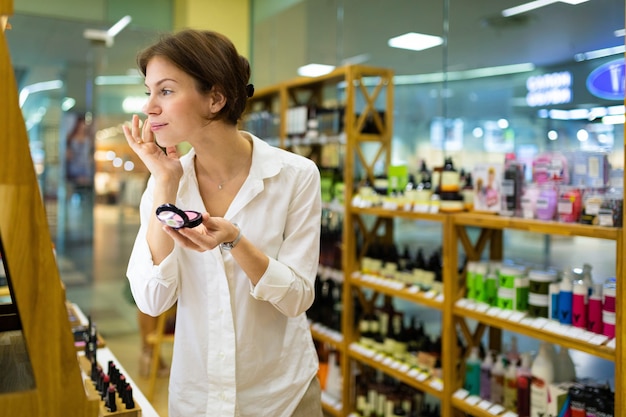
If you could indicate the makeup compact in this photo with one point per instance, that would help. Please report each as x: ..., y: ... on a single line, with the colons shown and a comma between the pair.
x: 176, y: 218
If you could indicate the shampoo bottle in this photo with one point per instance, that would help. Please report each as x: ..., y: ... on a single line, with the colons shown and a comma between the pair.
x: 542, y: 372
x: 524, y: 378
x: 472, y: 372
x: 485, y: 377
x: 565, y: 298
x: 510, y: 387
x: 497, y: 380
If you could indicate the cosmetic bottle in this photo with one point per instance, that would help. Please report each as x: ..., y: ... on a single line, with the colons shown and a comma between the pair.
x: 564, y: 368
x: 485, y: 376
x: 594, y: 316
x: 497, y: 380
x: 510, y: 387
x: 579, y: 303
x: 565, y: 298
x: 542, y: 372
x: 472, y: 372
x: 524, y: 379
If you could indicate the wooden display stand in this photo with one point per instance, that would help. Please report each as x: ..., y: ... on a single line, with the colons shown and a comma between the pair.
x: 367, y: 225
x: 37, y: 293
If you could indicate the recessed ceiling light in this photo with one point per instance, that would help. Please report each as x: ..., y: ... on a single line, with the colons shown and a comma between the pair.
x: 314, y: 70
x: 415, y: 41
x: 526, y: 7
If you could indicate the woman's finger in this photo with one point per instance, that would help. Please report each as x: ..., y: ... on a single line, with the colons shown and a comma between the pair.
x: 135, y: 128
x: 146, y: 133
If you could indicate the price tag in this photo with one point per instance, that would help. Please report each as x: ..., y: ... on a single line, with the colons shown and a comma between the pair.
x: 421, y: 377
x: 472, y: 399
x: 481, y: 307
x: 528, y: 321
x: 430, y: 294
x: 461, y: 394
x: 437, y: 384
x: 505, y: 314
x: 484, y: 404
x: 413, y: 289
x: 555, y: 327
x: 510, y: 414
x: 439, y: 298
x: 540, y: 323
x: 598, y: 339
x: 611, y: 344
x: 463, y: 303
x: 517, y: 316
x: 496, y: 409
x: 494, y: 311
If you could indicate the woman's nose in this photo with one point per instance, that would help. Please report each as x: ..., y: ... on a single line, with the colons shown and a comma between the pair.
x: 149, y: 106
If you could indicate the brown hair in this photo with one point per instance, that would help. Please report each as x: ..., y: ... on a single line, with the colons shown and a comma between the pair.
x: 212, y: 60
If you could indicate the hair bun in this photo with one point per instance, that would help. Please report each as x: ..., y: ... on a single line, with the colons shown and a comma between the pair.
x: 250, y: 90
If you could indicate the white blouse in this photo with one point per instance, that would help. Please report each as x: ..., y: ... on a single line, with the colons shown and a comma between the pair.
x: 240, y: 350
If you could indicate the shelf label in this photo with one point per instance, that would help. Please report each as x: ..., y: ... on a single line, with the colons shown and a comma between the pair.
x: 496, y: 409
x: 517, y: 316
x: 472, y: 400
x: 437, y: 384
x: 484, y: 404
x: 461, y: 394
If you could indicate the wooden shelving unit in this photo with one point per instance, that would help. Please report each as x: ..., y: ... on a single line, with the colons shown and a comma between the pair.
x: 368, y: 86
x: 46, y: 352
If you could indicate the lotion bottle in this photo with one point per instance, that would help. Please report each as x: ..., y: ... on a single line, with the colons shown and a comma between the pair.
x: 542, y: 372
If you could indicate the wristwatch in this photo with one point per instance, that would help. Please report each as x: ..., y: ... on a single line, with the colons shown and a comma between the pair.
x: 230, y: 245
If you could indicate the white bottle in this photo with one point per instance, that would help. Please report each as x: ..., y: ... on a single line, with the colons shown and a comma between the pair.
x: 510, y: 387
x: 497, y: 381
x: 565, y: 371
x: 542, y: 376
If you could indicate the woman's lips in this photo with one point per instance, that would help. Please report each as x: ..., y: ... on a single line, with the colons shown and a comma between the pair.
x: 157, y: 126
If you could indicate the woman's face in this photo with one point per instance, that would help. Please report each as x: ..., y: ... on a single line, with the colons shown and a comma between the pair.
x: 176, y: 110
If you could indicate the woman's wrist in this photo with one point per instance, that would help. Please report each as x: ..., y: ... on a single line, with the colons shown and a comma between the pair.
x: 231, y: 244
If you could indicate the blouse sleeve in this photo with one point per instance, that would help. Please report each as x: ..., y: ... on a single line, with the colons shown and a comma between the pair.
x: 289, y: 281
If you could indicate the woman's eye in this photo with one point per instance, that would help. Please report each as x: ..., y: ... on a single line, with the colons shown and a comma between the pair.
x: 165, y: 91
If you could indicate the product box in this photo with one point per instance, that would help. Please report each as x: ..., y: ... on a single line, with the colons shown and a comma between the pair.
x: 487, y: 192
x: 558, y: 399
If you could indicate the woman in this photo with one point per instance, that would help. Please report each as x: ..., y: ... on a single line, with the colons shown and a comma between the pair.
x: 244, y: 278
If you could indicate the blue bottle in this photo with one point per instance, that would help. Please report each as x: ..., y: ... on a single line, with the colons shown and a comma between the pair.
x: 565, y: 299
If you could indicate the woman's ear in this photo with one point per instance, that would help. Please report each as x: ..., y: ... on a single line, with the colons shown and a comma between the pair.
x: 217, y: 100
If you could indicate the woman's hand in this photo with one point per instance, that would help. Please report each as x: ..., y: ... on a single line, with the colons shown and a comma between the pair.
x: 164, y: 166
x: 208, y: 235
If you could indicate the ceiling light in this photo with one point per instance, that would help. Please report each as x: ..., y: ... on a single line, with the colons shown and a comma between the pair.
x: 118, y: 80
x: 617, y: 119
x: 526, y: 7
x: 314, y: 70
x: 107, y: 36
x: 599, y: 53
x: 619, y: 33
x: 37, y: 87
x: 415, y: 41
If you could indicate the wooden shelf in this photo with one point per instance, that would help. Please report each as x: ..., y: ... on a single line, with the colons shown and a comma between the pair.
x: 412, y: 215
x: 600, y: 350
x: 425, y: 298
x: 493, y: 221
x: 429, y: 384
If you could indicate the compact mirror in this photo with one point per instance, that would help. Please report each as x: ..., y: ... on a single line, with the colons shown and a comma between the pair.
x: 176, y: 218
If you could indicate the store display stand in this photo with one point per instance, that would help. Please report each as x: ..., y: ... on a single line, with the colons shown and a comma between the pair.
x: 35, y: 331
x: 366, y: 225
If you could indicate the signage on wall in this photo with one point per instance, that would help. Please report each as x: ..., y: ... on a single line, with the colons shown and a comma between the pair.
x: 549, y: 89
x: 607, y: 81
